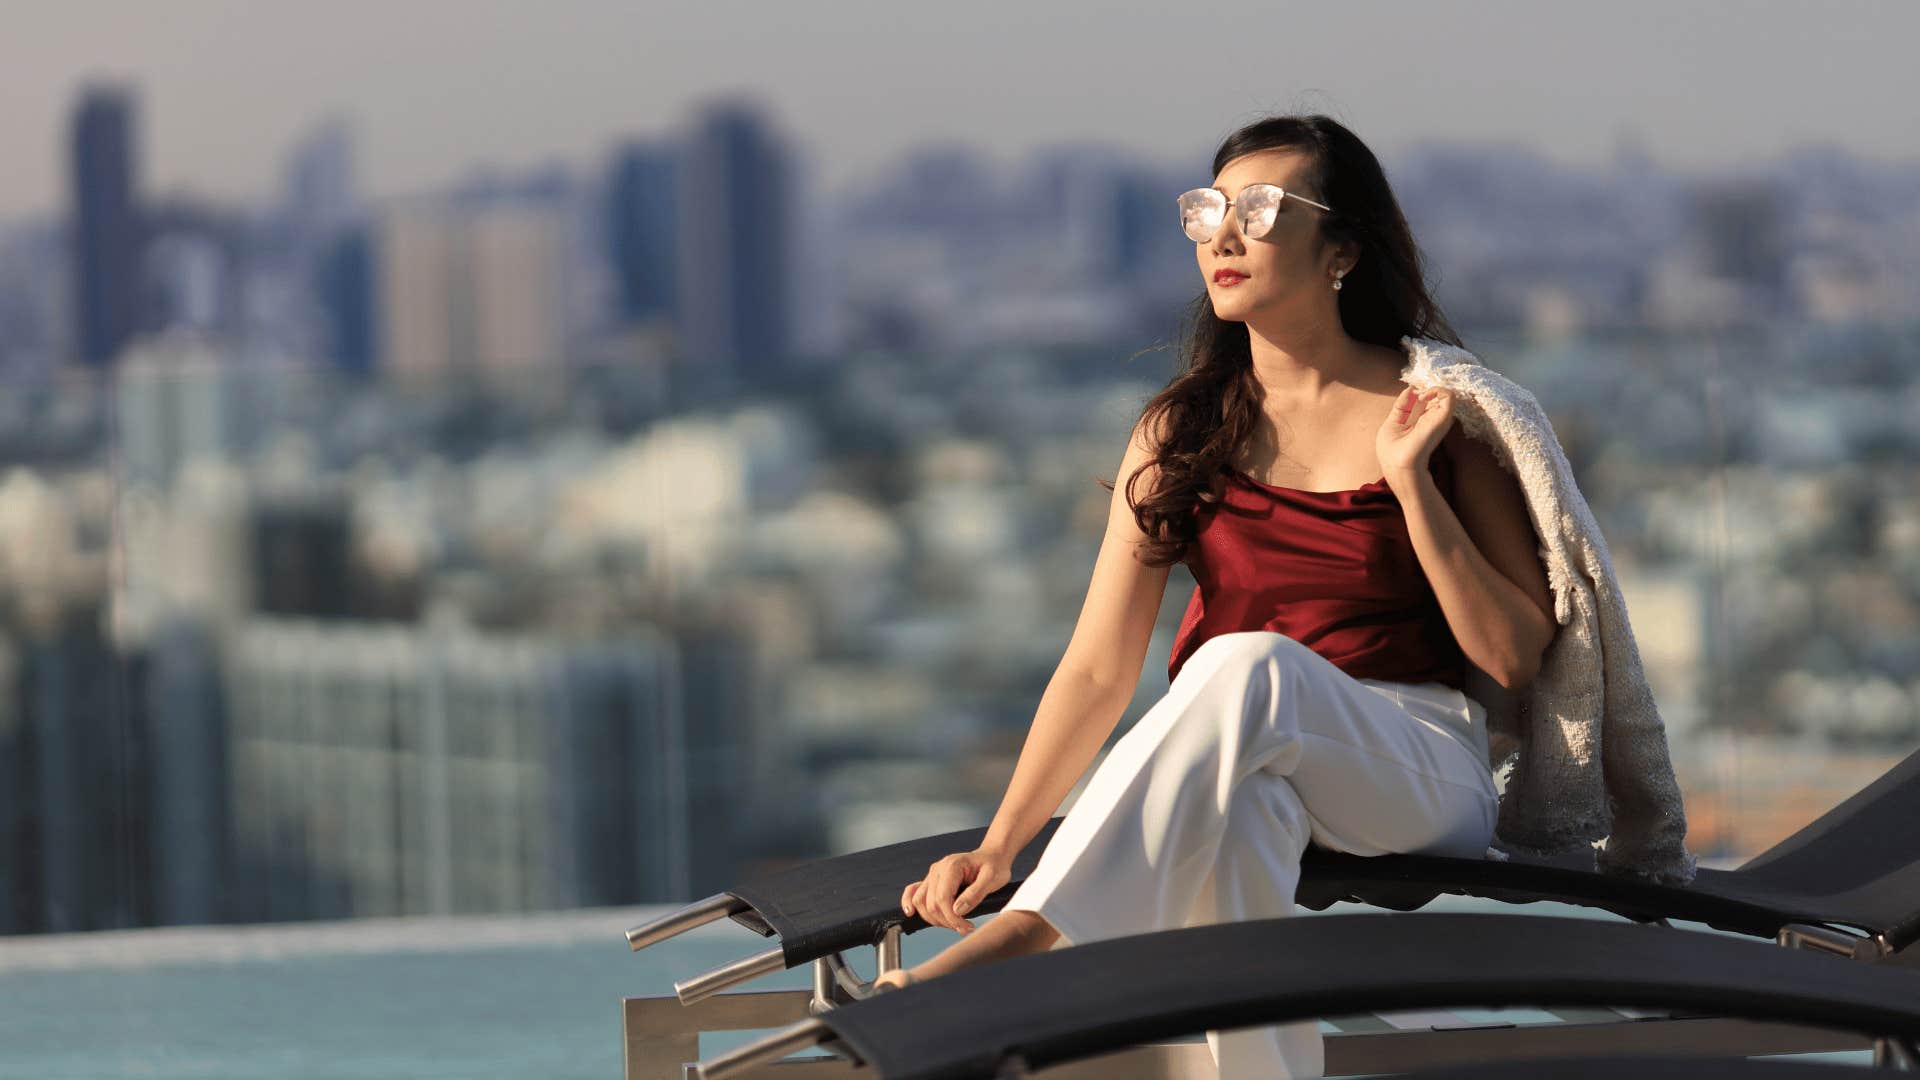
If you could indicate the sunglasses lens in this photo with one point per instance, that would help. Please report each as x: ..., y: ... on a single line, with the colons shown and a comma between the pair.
x: 1257, y: 205
x: 1201, y: 211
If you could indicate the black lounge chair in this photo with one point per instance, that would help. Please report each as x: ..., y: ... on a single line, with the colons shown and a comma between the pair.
x: 1847, y: 883
x: 1006, y: 1018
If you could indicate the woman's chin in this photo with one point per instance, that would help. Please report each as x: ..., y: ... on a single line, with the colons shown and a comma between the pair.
x: 1231, y: 309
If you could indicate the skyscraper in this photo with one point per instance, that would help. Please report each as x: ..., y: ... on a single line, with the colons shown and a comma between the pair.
x: 640, y: 232
x: 106, y: 223
x: 345, y: 290
x: 473, y: 289
x: 318, y: 189
x: 734, y: 203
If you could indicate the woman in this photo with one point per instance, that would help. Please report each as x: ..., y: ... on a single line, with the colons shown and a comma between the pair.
x: 1353, y: 552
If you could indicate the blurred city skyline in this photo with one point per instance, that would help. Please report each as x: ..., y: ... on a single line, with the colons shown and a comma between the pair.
x: 431, y: 97
x: 576, y: 531
x: 462, y: 460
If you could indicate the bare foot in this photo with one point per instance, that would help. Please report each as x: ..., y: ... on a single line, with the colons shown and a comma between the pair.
x: 1006, y: 935
x: 892, y: 980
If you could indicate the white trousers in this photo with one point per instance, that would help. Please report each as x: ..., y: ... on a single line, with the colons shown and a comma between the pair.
x: 1199, y: 813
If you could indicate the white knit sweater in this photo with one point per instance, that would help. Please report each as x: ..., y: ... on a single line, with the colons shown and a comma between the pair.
x: 1588, y: 748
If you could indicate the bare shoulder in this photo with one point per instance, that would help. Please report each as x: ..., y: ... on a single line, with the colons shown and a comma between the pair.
x: 1392, y: 363
x: 1143, y: 447
x: 1150, y: 433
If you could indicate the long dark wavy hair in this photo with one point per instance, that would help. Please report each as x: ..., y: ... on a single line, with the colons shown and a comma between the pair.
x: 1211, y: 405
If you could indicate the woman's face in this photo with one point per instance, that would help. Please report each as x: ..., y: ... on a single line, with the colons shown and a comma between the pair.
x: 1285, y: 267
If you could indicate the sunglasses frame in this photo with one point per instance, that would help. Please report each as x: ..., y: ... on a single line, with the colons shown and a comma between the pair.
x: 1232, y: 205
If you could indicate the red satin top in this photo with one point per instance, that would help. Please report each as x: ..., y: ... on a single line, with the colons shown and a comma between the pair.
x: 1334, y: 570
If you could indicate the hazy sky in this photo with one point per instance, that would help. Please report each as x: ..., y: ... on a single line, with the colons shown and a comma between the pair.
x: 436, y: 86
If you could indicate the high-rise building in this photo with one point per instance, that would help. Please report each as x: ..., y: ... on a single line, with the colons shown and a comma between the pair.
x: 1742, y: 234
x: 383, y: 770
x: 327, y: 249
x: 640, y: 232
x: 734, y: 204
x: 180, y: 399
x: 1103, y: 209
x: 517, y: 263
x: 318, y: 186
x: 33, y: 286
x: 184, y: 724
x: 345, y: 291
x: 198, y: 266
x: 471, y: 289
x: 188, y: 282
x: 86, y: 860
x: 106, y: 223
x: 419, y: 261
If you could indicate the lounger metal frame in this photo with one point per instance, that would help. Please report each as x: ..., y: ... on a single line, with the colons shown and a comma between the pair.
x: 1600, y: 959
x: 661, y: 1032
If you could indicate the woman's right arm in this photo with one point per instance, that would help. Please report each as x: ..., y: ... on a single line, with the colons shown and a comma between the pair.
x: 1082, y: 704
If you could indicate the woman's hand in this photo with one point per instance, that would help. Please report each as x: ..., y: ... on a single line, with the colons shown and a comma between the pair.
x: 1415, y: 425
x: 954, y: 885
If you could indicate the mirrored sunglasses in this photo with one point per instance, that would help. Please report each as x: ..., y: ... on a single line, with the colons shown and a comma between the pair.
x: 1203, y: 209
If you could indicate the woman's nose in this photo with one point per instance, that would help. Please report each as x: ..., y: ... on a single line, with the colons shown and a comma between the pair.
x: 1229, y: 231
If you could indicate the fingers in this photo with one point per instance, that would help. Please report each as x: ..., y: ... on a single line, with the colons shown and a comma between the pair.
x: 1408, y: 406
x: 930, y: 902
x: 945, y: 887
x: 921, y: 898
x: 1405, y: 405
x: 971, y: 896
x: 1412, y: 404
x: 920, y: 902
x: 949, y: 891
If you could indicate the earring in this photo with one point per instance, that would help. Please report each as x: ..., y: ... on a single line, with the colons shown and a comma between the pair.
x: 1336, y: 281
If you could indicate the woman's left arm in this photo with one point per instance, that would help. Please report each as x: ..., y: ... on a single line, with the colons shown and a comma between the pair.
x: 1482, y: 560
